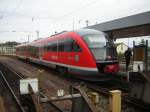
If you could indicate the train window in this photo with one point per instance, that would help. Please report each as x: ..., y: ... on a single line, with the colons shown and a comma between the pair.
x: 95, y: 41
x: 51, y: 46
x: 75, y: 47
x: 48, y: 48
x: 45, y: 48
x: 67, y: 45
x: 34, y: 51
x: 54, y: 48
x: 71, y: 45
x: 61, y: 45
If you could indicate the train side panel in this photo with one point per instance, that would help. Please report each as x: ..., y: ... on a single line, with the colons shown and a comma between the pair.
x: 76, y: 58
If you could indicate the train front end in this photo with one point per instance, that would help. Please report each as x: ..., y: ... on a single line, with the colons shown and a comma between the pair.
x: 103, y: 51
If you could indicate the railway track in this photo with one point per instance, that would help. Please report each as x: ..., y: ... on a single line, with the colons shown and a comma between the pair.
x: 11, y: 79
x: 105, y: 88
x: 135, y: 106
x: 128, y: 103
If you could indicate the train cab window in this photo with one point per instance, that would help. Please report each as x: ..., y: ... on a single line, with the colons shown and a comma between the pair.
x: 95, y: 41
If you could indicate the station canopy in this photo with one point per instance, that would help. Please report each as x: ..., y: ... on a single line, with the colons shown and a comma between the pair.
x: 131, y: 26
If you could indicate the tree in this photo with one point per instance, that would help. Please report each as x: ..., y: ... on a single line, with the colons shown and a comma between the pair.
x: 11, y: 44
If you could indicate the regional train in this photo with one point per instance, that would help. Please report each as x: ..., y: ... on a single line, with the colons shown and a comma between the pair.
x: 83, y: 53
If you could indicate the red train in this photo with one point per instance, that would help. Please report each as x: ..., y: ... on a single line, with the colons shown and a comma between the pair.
x: 84, y: 52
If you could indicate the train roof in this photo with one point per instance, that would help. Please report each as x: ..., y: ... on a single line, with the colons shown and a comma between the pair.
x: 22, y: 44
x: 42, y: 41
x: 86, y: 31
x: 37, y: 42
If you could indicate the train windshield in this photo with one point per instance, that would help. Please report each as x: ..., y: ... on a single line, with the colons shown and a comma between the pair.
x: 99, y: 45
x: 95, y: 41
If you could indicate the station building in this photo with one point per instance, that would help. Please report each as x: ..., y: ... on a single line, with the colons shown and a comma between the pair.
x: 6, y: 49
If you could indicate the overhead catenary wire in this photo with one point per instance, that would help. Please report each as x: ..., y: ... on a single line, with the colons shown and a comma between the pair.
x: 78, y: 9
x: 49, y: 17
x: 17, y: 6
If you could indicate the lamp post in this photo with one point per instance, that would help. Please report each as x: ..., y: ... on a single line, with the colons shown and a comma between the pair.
x: 73, y: 25
x: 37, y: 32
x: 28, y: 38
x: 87, y: 23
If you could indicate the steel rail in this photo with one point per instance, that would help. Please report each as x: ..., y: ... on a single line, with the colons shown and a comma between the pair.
x: 138, y: 105
x: 12, y: 92
x: 12, y: 70
x: 125, y: 98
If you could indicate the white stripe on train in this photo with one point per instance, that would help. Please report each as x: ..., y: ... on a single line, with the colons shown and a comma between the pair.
x: 65, y: 65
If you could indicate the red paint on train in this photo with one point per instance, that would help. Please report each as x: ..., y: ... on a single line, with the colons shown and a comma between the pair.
x: 72, y: 51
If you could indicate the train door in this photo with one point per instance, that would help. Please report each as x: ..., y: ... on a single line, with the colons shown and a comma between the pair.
x: 68, y: 52
x: 74, y: 54
x: 62, y: 53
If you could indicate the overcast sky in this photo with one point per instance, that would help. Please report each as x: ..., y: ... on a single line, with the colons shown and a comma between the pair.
x: 20, y: 18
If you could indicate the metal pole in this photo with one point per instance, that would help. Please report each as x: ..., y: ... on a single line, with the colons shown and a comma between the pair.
x: 28, y: 38
x: 146, y: 56
x: 87, y: 23
x: 128, y: 42
x: 37, y: 32
x: 73, y: 24
x: 133, y: 50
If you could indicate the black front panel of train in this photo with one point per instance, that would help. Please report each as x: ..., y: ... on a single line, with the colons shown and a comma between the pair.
x: 101, y: 64
x: 109, y: 55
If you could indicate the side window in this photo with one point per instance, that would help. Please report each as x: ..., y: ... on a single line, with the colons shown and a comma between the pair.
x: 67, y: 45
x: 51, y: 46
x: 48, y: 48
x: 71, y: 45
x: 54, y: 47
x: 61, y: 45
x: 45, y: 48
x: 75, y: 47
